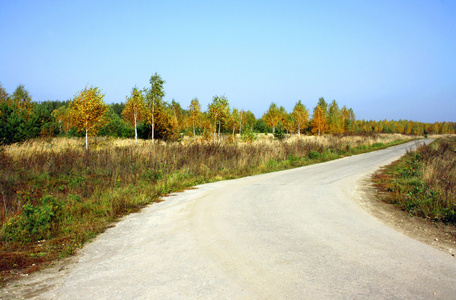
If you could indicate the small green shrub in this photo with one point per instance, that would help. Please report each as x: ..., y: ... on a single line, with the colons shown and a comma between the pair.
x: 378, y: 145
x: 279, y: 132
x: 248, y: 135
x: 35, y: 222
x: 272, y: 164
x: 313, y: 155
x: 152, y: 175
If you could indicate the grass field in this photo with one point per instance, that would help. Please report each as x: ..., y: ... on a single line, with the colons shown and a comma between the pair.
x: 55, y: 195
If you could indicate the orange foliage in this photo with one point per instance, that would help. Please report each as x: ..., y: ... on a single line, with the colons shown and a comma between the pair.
x: 319, y: 125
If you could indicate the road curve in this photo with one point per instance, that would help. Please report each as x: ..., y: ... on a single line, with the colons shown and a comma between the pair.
x: 297, y: 234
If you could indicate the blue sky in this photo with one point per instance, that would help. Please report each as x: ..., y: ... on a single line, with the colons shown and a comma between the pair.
x: 385, y: 59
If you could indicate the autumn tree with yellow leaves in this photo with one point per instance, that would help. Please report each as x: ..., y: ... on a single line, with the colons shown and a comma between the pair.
x: 154, y: 101
x: 335, y: 119
x: 318, y: 124
x: 63, y: 118
x: 272, y: 116
x: 234, y: 121
x: 22, y: 99
x: 134, y: 109
x: 218, y: 112
x: 300, y: 116
x: 195, y: 113
x: 88, y: 111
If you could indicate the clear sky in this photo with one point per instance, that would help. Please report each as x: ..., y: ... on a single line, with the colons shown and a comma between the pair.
x: 386, y: 59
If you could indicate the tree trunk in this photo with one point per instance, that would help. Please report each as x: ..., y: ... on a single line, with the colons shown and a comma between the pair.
x: 240, y: 125
x: 219, y: 137
x: 234, y: 128
x: 193, y: 126
x: 299, y: 129
x: 153, y: 121
x: 136, y: 131
x: 87, y: 139
x: 153, y: 129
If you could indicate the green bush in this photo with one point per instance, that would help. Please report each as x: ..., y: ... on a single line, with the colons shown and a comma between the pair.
x: 248, y: 135
x: 313, y: 155
x: 279, y: 132
x: 34, y: 223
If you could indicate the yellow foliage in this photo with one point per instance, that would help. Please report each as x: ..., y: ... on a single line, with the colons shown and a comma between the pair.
x: 134, y: 108
x: 88, y: 111
x: 319, y: 125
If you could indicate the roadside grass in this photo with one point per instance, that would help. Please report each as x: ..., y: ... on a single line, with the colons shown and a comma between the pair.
x: 55, y: 195
x: 423, y: 182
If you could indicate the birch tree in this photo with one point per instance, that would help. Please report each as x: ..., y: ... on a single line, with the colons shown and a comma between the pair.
x: 319, y: 125
x: 301, y: 116
x: 335, y: 118
x: 272, y: 116
x: 234, y: 121
x: 22, y: 99
x: 154, y: 98
x: 134, y: 109
x: 218, y: 111
x: 88, y: 112
x: 195, y: 113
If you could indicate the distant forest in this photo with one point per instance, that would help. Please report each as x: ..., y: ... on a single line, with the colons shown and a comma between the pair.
x: 146, y: 115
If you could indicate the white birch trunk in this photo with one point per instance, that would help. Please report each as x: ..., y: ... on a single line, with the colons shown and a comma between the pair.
x: 136, y: 131
x: 240, y: 125
x: 153, y: 120
x: 193, y: 126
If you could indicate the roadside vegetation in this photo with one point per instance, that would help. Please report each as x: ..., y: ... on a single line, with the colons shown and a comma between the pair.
x: 56, y: 195
x: 423, y: 182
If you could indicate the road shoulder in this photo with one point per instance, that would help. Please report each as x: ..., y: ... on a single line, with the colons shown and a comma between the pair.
x: 438, y: 235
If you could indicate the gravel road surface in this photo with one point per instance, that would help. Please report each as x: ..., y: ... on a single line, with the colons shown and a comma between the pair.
x: 296, y: 234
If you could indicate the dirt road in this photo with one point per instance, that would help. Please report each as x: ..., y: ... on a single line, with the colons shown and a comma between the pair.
x: 297, y: 234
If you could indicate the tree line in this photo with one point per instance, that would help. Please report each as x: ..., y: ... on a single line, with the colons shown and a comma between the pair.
x: 145, y: 114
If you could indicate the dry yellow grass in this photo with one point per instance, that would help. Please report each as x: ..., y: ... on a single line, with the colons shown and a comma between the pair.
x: 59, y: 144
